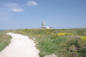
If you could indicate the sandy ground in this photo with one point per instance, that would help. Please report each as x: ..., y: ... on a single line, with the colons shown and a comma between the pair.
x: 20, y: 46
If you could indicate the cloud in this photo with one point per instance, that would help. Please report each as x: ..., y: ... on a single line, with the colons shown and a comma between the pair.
x: 32, y: 3
x: 17, y: 10
x: 14, y: 7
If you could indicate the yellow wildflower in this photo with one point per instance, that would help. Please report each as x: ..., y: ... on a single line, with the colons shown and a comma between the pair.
x: 60, y: 34
x: 63, y: 34
x: 83, y: 37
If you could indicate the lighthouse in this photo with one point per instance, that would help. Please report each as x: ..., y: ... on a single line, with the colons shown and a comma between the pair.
x: 43, y: 25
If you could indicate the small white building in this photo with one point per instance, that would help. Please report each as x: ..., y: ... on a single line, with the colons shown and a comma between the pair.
x: 43, y: 26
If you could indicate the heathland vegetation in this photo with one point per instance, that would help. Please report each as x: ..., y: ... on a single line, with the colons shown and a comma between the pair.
x: 4, y: 40
x: 61, y: 42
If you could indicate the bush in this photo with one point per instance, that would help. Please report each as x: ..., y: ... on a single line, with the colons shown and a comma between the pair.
x: 50, y: 41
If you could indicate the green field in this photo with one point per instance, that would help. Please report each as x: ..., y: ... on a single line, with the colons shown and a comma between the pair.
x: 4, y: 40
x: 49, y: 42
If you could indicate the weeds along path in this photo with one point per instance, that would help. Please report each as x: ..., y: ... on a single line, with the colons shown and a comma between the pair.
x: 20, y: 46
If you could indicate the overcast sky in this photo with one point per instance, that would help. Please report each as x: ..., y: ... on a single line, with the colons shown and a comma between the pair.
x: 30, y: 13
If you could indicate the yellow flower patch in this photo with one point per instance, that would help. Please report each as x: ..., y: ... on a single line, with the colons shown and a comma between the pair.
x: 83, y: 37
x: 63, y: 34
x: 60, y: 34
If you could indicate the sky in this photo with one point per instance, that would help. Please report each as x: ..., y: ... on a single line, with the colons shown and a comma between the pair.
x: 16, y: 14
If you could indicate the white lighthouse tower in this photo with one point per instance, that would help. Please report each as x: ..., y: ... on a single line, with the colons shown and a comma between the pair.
x: 43, y: 25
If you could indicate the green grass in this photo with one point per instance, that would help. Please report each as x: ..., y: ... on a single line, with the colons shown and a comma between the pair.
x: 48, y: 42
x: 4, y: 40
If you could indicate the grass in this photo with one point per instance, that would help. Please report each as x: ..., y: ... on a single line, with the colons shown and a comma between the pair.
x: 4, y: 40
x: 48, y: 42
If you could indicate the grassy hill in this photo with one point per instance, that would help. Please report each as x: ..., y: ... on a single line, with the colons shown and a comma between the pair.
x: 4, y: 40
x: 62, y: 42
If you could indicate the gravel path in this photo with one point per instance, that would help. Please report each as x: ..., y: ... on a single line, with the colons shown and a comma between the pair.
x: 20, y: 46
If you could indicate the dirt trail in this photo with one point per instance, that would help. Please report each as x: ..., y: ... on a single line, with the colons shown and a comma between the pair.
x: 20, y: 46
